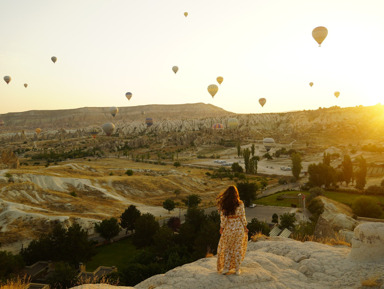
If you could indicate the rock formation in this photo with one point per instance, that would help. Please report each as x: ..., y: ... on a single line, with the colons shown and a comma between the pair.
x: 9, y: 160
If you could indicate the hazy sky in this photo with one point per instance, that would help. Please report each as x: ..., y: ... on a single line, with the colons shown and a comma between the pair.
x: 106, y: 48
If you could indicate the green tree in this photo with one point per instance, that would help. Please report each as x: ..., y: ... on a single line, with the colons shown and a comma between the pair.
x: 163, y: 241
x: 327, y: 159
x: 347, y: 169
x: 177, y: 192
x: 256, y: 226
x: 10, y: 265
x: 275, y: 218
x: 321, y: 175
x: 253, y: 150
x: 108, y: 228
x: 238, y: 149
x: 146, y: 228
x: 287, y: 220
x: 361, y: 174
x: 169, y: 205
x: 365, y: 206
x: 253, y: 165
x: 296, y: 165
x: 129, y: 217
x: 64, y: 276
x: 236, y: 168
x: 246, y: 155
x: 247, y: 192
x: 192, y: 201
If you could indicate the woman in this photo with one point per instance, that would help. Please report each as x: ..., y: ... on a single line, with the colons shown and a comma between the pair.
x: 233, y: 230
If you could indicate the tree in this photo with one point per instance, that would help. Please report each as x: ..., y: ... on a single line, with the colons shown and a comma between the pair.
x: 64, y: 276
x: 163, y: 241
x: 275, y: 218
x: 9, y: 264
x: 129, y: 217
x: 296, y: 165
x: 327, y: 159
x: 238, y: 149
x: 246, y: 155
x: 365, y: 206
x: 287, y: 220
x: 108, y: 228
x: 247, y: 192
x: 192, y: 201
x: 321, y: 175
x: 146, y: 227
x: 177, y: 192
x: 253, y: 150
x: 256, y: 226
x: 169, y: 205
x: 236, y: 168
x: 253, y: 165
x: 361, y: 173
x: 347, y: 169
x: 174, y: 223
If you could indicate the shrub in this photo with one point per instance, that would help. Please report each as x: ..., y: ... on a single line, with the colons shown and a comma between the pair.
x: 177, y: 164
x: 375, y: 190
x: 129, y: 172
x: 73, y: 194
x: 256, y: 226
x: 367, y: 207
x: 236, y: 168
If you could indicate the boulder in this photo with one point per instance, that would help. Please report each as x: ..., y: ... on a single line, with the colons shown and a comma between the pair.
x: 368, y: 242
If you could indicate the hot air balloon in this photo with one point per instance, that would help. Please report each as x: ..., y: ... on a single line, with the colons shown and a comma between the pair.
x: 337, y: 94
x: 54, y: 59
x: 38, y: 130
x: 25, y: 85
x: 319, y: 34
x: 1, y: 122
x: 7, y: 79
x: 268, y: 143
x: 149, y: 121
x: 128, y: 95
x: 212, y: 89
x: 175, y: 69
x: 233, y: 123
x: 220, y: 79
x: 311, y: 84
x: 185, y: 14
x: 113, y: 110
x: 262, y: 101
x: 218, y: 126
x: 108, y: 128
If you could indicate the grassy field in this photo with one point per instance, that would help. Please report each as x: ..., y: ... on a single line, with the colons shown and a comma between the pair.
x: 342, y: 197
x: 116, y: 254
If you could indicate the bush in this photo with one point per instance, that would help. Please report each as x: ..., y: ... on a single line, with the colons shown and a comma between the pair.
x: 375, y: 190
x: 177, y: 164
x: 287, y: 220
x: 236, y: 168
x: 367, y: 207
x: 314, y: 192
x: 316, y: 207
x: 73, y: 194
x: 129, y: 172
x: 256, y: 226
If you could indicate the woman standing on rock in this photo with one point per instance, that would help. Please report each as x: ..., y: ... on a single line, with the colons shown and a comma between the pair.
x: 233, y: 229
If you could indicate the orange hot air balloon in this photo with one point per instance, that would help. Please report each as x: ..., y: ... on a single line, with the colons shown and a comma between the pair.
x: 337, y: 94
x: 262, y: 101
x: 319, y: 34
x: 219, y: 79
x: 38, y: 130
x: 185, y: 14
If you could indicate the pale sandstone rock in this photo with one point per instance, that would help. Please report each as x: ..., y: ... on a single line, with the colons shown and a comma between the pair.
x: 368, y: 242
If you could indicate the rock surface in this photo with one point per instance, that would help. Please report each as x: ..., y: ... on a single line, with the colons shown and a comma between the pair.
x: 280, y: 263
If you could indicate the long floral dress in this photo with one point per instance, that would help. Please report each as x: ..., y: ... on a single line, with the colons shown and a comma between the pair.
x: 233, y: 241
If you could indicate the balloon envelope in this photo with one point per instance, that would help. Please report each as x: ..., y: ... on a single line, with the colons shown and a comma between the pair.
x: 268, y: 143
x: 233, y: 123
x: 185, y: 14
x: 311, y: 84
x: 219, y: 79
x: 213, y: 89
x: 7, y: 79
x: 149, y: 121
x: 262, y: 101
x: 108, y: 128
x: 319, y: 34
x: 113, y: 110
x: 38, y: 130
x: 337, y: 94
x: 175, y: 69
x: 1, y: 122
x: 218, y: 126
x: 25, y: 85
x: 128, y: 95
x: 54, y: 59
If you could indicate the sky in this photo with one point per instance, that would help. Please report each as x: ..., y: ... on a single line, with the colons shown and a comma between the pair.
x: 262, y: 49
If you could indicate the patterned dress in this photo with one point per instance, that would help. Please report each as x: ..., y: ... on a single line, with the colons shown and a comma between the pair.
x: 233, y: 241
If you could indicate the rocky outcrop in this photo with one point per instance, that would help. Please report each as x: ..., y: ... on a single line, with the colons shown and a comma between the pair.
x: 9, y: 160
x: 282, y: 263
x: 335, y: 217
x: 368, y: 242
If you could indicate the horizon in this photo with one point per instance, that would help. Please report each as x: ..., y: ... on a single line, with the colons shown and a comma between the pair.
x: 262, y: 50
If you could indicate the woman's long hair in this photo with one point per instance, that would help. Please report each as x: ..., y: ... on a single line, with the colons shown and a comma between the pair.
x: 228, y: 201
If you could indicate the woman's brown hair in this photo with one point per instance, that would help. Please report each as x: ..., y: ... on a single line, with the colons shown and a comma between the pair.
x: 228, y: 201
